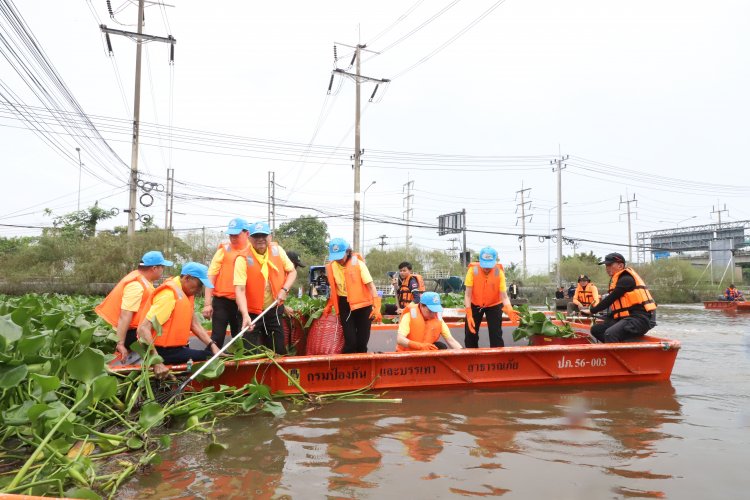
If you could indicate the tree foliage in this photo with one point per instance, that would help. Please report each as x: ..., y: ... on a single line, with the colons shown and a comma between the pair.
x: 306, y: 235
x: 81, y: 222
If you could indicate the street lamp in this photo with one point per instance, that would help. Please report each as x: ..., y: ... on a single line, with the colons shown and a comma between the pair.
x: 364, y: 193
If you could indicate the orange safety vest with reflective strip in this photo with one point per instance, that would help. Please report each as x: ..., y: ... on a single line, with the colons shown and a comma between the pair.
x: 485, y: 292
x: 421, y: 330
x: 638, y: 296
x: 733, y: 293
x: 176, y: 331
x: 224, y: 285
x: 586, y: 296
x: 255, y: 287
x: 110, y: 308
x: 404, y: 292
x: 357, y: 293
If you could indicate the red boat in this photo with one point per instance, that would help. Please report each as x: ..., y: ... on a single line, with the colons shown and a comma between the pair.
x: 566, y: 361
x: 727, y: 305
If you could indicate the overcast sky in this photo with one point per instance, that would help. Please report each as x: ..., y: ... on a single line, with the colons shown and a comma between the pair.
x: 648, y: 99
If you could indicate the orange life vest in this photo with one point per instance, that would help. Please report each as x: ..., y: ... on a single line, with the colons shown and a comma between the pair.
x: 357, y: 293
x: 404, y: 291
x: 638, y: 296
x: 421, y: 330
x: 732, y: 293
x: 110, y: 308
x: 485, y: 292
x: 176, y: 331
x: 255, y: 287
x: 586, y: 296
x: 224, y: 285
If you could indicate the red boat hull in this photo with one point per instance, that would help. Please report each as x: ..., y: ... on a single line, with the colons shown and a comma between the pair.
x: 646, y: 361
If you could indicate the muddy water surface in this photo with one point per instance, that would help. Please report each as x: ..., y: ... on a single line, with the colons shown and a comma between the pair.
x: 685, y: 439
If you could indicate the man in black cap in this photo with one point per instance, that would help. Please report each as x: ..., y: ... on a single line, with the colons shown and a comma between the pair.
x: 632, y: 308
x: 297, y: 261
x: 585, y: 296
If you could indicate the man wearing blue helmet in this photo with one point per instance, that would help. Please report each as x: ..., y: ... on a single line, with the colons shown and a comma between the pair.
x: 353, y: 294
x: 265, y: 275
x: 124, y: 306
x: 422, y: 325
x: 170, y: 319
x: 220, y: 304
x: 485, y: 292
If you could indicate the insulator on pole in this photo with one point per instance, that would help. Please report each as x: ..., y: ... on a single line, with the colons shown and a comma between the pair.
x: 330, y: 84
x: 171, y: 51
x: 374, y: 91
x: 109, y: 44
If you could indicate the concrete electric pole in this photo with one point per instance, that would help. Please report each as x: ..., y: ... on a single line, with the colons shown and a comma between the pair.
x: 139, y: 37
x: 358, y: 79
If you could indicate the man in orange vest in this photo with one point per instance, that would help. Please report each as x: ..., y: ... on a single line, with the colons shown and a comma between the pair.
x: 632, y: 308
x: 220, y: 304
x: 123, y: 308
x: 264, y: 275
x: 485, y: 292
x: 733, y: 294
x: 422, y: 325
x: 352, y: 294
x: 586, y: 295
x: 409, y: 286
x: 172, y: 306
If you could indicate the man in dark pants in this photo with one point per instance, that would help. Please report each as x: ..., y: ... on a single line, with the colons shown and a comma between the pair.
x: 220, y: 305
x: 485, y: 296
x: 632, y: 308
x: 261, y: 278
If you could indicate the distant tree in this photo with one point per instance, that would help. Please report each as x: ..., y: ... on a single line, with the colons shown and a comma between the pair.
x: 306, y: 235
x: 81, y: 222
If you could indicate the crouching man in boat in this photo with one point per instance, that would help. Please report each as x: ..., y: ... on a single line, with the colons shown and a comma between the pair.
x: 632, y: 308
x: 172, y: 305
x: 485, y: 291
x: 733, y: 294
x: 125, y: 305
x: 353, y: 294
x: 422, y: 325
x: 586, y: 295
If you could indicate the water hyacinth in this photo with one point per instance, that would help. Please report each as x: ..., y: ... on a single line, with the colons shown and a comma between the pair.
x: 71, y: 427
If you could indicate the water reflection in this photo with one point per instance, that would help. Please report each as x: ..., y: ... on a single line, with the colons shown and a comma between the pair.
x: 475, y: 443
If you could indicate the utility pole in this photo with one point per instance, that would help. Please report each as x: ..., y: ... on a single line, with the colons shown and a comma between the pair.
x: 627, y: 203
x: 464, y: 257
x: 453, y: 249
x: 272, y: 200
x: 358, y: 79
x: 523, y: 216
x: 80, y: 167
x: 715, y: 211
x: 409, y: 210
x: 382, y: 242
x: 168, y: 216
x: 559, y: 229
x: 139, y: 37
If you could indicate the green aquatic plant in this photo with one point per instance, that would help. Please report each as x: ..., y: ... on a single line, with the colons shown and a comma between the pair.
x: 71, y: 427
x: 537, y: 323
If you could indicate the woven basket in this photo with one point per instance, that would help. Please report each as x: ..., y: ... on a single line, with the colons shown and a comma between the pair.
x: 326, y: 336
x: 294, y: 334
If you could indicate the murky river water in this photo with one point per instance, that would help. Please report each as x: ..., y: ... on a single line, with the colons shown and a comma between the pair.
x: 688, y: 439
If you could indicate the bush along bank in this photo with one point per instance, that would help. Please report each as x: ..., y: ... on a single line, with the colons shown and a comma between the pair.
x: 70, y: 427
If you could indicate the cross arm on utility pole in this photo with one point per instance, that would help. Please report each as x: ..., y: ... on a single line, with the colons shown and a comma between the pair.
x: 138, y: 36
